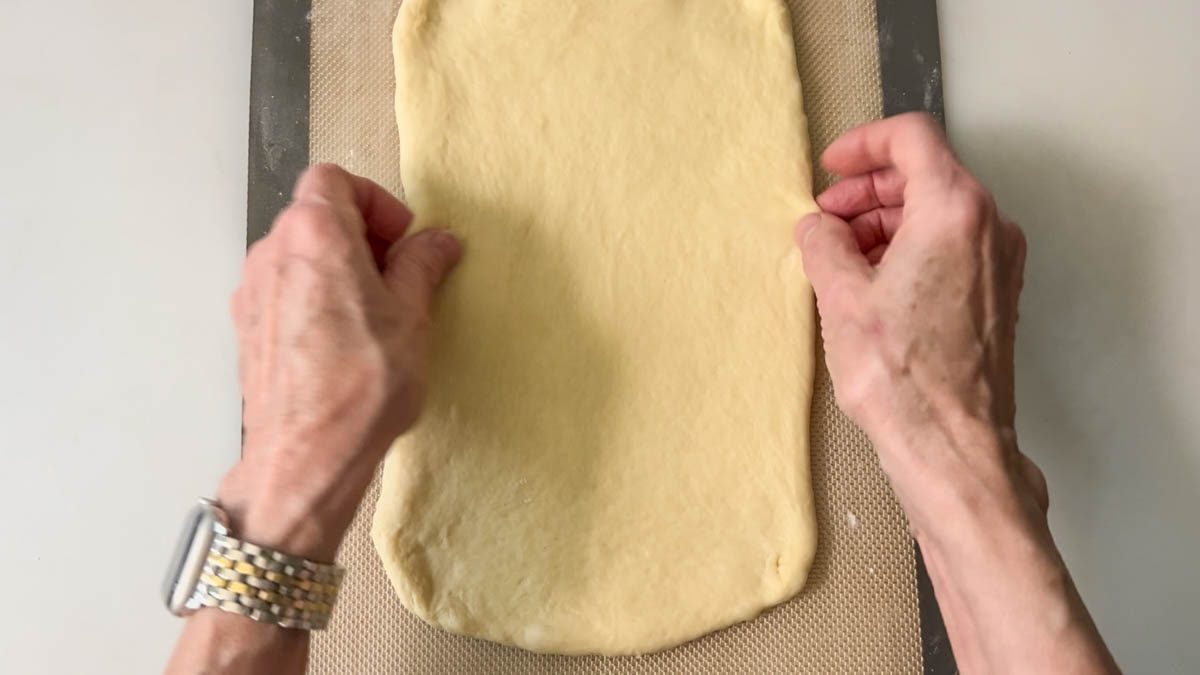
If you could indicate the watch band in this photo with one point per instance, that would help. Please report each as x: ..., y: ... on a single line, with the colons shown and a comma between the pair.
x: 266, y: 585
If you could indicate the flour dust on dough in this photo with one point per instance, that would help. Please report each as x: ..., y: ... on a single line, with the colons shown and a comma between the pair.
x: 613, y: 457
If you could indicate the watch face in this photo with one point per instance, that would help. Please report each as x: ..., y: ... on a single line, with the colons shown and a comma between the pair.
x: 188, y: 559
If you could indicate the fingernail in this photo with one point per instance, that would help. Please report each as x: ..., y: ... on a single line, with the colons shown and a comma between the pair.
x: 447, y: 243
x: 806, y: 225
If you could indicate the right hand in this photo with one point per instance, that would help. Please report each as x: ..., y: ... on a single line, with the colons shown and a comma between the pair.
x: 917, y: 278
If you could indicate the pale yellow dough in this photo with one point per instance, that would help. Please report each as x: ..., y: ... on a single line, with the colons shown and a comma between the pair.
x: 614, y: 453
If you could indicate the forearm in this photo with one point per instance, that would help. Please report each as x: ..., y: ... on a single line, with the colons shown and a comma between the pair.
x: 1012, y: 605
x: 1006, y: 596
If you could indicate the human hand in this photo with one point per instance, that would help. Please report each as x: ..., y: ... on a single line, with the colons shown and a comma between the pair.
x: 333, y: 326
x: 917, y: 279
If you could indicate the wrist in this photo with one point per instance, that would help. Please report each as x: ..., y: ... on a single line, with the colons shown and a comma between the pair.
x: 263, y: 514
x: 297, y: 502
x: 955, y: 471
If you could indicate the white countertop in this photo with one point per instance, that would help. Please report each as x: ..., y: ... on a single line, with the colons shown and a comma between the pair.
x: 122, y: 202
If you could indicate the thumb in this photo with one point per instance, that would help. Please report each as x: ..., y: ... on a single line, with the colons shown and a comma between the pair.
x: 830, y: 252
x: 417, y: 264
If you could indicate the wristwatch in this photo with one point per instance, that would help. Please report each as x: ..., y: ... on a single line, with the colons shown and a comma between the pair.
x: 211, y: 568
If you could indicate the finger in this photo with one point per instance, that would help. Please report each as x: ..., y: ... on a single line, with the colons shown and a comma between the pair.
x: 912, y: 143
x: 876, y: 228
x: 863, y: 192
x: 416, y: 266
x: 387, y: 217
x: 876, y: 254
x: 324, y: 184
x: 831, y: 254
x: 381, y: 215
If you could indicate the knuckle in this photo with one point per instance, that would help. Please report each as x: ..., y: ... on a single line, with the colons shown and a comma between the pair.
x: 917, y: 122
x: 260, y: 250
x: 419, y: 323
x: 1020, y: 243
x: 975, y: 197
x: 322, y: 174
x: 253, y: 257
x: 970, y: 210
x: 426, y: 267
x: 921, y: 125
x: 311, y: 228
x: 980, y: 198
x: 306, y: 214
x: 1018, y: 233
x: 257, y: 249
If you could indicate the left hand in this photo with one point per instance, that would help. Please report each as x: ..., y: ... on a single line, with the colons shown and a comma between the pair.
x: 333, y: 325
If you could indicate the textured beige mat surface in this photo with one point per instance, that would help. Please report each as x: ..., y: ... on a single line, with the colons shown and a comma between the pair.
x: 858, y: 612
